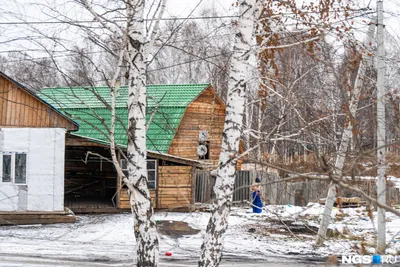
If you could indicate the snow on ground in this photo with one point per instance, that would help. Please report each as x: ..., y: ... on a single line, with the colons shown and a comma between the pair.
x: 395, y: 180
x: 109, y: 237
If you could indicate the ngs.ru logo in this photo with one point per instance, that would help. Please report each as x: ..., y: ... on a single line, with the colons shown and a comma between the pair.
x: 368, y: 259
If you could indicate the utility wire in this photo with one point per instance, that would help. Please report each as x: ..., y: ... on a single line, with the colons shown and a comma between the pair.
x: 151, y: 70
x: 189, y: 61
x: 116, y: 20
x: 163, y: 19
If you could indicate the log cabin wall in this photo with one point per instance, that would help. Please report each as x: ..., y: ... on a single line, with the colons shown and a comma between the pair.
x: 123, y: 198
x: 173, y: 190
x: 19, y: 108
x: 206, y: 112
x: 175, y: 187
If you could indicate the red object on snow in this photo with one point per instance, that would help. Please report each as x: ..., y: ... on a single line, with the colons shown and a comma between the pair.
x: 168, y: 253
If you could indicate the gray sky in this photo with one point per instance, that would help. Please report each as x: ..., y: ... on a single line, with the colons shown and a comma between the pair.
x: 12, y: 36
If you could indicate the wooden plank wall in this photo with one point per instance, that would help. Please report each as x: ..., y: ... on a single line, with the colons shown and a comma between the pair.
x: 206, y: 112
x: 174, y: 187
x: 123, y: 198
x: 19, y: 108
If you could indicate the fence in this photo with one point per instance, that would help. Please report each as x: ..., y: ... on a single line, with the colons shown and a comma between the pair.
x: 298, y: 193
x: 243, y: 181
x: 205, y: 186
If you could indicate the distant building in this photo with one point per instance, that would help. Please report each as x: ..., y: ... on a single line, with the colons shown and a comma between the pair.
x: 32, y: 149
x: 184, y: 134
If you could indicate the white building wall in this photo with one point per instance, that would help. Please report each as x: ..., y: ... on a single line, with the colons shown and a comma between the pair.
x: 44, y: 189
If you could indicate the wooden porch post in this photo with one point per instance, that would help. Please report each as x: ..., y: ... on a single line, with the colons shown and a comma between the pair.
x: 193, y: 188
x: 118, y: 181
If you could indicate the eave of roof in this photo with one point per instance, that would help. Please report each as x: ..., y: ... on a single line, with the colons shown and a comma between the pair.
x: 155, y: 154
x: 40, y: 99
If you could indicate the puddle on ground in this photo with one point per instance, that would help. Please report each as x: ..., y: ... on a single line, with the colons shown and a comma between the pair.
x: 175, y: 228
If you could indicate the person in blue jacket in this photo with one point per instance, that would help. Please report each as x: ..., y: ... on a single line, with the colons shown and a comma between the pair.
x: 256, y: 190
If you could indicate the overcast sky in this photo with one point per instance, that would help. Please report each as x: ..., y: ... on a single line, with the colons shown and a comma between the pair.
x: 34, y: 10
x: 37, y: 10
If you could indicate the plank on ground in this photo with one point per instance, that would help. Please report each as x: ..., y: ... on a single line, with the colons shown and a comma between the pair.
x: 60, y: 219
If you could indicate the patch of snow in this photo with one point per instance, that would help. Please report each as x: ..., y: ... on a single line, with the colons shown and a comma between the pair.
x: 111, y: 238
x: 395, y: 180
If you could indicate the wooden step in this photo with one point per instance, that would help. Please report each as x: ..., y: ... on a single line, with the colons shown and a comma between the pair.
x: 29, y: 217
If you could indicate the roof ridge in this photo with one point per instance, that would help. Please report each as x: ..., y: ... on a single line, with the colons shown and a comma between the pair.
x: 125, y: 85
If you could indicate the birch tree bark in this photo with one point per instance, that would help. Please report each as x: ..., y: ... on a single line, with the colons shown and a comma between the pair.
x: 139, y: 43
x: 345, y: 141
x: 212, y: 245
x: 138, y: 40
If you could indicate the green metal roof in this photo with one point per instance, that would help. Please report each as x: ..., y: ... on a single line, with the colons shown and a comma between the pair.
x: 83, y: 105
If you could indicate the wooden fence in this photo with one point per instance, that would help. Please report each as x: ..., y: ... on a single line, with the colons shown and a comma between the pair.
x: 298, y: 193
x: 205, y: 186
x: 243, y: 182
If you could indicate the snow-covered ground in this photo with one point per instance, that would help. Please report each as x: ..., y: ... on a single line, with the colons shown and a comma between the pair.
x: 279, y: 232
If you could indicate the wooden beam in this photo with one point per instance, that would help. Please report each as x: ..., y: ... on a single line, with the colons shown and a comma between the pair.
x: 193, y: 186
x: 173, y: 159
x: 18, y: 217
x: 82, y: 186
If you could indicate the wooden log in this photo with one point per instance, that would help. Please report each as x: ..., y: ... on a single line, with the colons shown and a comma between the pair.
x: 35, y: 219
x: 24, y: 213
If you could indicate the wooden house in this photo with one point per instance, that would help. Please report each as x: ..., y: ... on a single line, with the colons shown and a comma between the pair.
x: 184, y: 134
x: 32, y: 146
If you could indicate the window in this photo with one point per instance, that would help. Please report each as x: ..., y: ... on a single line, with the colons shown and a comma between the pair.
x: 6, y: 168
x: 151, y: 172
x: 13, y: 166
x: 20, y: 168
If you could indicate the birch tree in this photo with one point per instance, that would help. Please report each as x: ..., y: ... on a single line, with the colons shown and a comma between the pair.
x: 139, y: 40
x: 352, y: 103
x: 211, y: 253
x: 288, y: 39
x: 137, y: 53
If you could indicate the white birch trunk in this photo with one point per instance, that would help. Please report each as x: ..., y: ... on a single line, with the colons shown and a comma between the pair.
x: 344, y: 144
x: 259, y: 128
x: 144, y: 222
x: 136, y: 47
x: 330, y: 200
x: 212, y: 245
x: 113, y: 88
x: 145, y: 230
x: 247, y: 118
x: 273, y: 150
x: 274, y: 144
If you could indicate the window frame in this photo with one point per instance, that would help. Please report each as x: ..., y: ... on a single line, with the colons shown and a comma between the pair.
x: 123, y: 162
x: 155, y: 173
x: 13, y: 165
x: 2, y: 167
